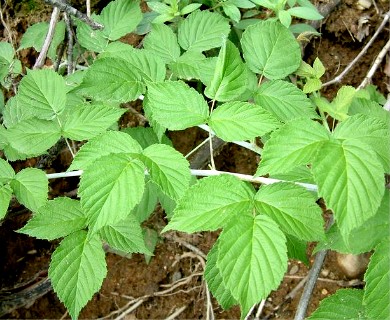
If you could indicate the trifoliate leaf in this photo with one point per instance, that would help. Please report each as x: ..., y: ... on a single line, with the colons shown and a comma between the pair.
x: 112, y: 79
x: 296, y: 249
x: 33, y: 136
x: 241, y: 121
x: 270, y: 49
x: 176, y: 106
x: 168, y: 169
x: 377, y: 291
x: 351, y: 301
x: 190, y: 65
x: 86, y: 121
x: 293, y: 208
x: 229, y: 75
x: 93, y: 40
x: 350, y: 179
x: 5, y: 198
x: 30, y: 187
x: 110, y: 189
x: 7, y: 173
x: 370, y: 130
x: 162, y: 41
x: 56, y: 219
x: 252, y: 259
x: 125, y: 235
x: 211, y: 203
x: 215, y: 282
x: 77, y: 270
x: 296, y: 143
x: 202, y: 30
x: 43, y: 92
x: 285, y: 101
x: 120, y: 17
x: 102, y: 145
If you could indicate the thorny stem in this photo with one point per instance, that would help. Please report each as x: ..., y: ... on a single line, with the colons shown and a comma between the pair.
x: 49, y: 37
x: 361, y: 53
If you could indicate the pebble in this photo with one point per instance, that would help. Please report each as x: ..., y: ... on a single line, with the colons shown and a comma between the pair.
x: 294, y: 269
x: 324, y: 292
x: 325, y: 272
x: 352, y: 265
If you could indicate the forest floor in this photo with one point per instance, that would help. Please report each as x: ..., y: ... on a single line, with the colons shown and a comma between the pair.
x: 171, y: 282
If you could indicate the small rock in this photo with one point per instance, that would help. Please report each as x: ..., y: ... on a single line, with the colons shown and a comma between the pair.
x: 325, y: 272
x: 324, y: 292
x: 352, y: 265
x: 363, y: 4
x: 294, y: 269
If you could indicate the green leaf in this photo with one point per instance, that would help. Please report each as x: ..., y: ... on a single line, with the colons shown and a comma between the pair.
x: 125, y: 235
x: 344, y: 304
x: 202, y: 30
x: 299, y: 174
x: 117, y: 49
x: 120, y: 17
x: 30, y: 187
x: 43, y: 92
x: 93, y: 40
x: 270, y: 49
x: 5, y: 198
x: 312, y: 85
x: 231, y: 11
x: 296, y: 249
x: 87, y: 121
x: 293, y: 208
x: 56, y: 219
x: 241, y: 121
x: 305, y: 13
x: 145, y: 136
x: 211, y: 203
x: 338, y: 108
x: 15, y: 112
x: 369, y: 108
x: 176, y: 106
x: 319, y: 68
x: 33, y: 136
x: 160, y: 7
x: 252, y: 259
x: 111, y: 142
x: 285, y: 101
x: 229, y: 75
x: 215, y: 282
x: 350, y: 179
x: 245, y: 4
x: 77, y: 270
x: 376, y: 294
x: 168, y: 169
x: 145, y: 208
x: 296, y: 143
x: 189, y: 8
x: 162, y: 41
x: 7, y: 173
x: 7, y: 53
x: 370, y: 130
x: 285, y: 18
x: 110, y: 188
x: 112, y: 79
x: 190, y: 65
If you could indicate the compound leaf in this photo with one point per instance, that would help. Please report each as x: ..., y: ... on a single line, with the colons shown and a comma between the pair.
x: 284, y: 100
x: 33, y: 136
x: 377, y: 278
x: 215, y: 282
x: 202, y: 30
x: 120, y: 17
x: 293, y: 208
x: 77, y: 270
x: 86, y: 121
x: 110, y: 189
x: 351, y: 301
x: 176, y: 106
x: 241, y: 121
x: 43, y: 92
x: 296, y: 143
x: 271, y: 49
x: 252, y: 258
x: 112, y: 79
x: 168, y: 169
x: 30, y: 187
x: 162, y: 41
x: 350, y: 179
x: 102, y: 145
x: 211, y: 203
x: 229, y: 75
x: 56, y: 219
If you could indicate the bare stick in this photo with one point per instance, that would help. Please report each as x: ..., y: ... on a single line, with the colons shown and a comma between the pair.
x: 88, y: 5
x: 375, y: 66
x: 174, y: 315
x: 361, y: 53
x: 74, y: 12
x: 5, y: 25
x: 49, y: 37
x: 69, y: 52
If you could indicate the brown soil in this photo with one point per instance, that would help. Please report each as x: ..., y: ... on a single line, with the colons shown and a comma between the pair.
x: 172, y: 279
